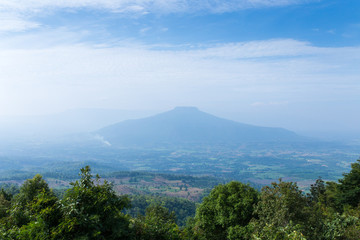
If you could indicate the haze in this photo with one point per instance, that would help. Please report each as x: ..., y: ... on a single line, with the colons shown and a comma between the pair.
x: 290, y: 63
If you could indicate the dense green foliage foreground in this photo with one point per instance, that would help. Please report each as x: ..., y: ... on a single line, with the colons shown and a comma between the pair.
x: 91, y: 209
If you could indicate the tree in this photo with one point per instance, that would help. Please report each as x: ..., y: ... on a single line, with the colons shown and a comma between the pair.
x: 271, y: 232
x: 317, y: 191
x: 226, y: 212
x: 92, y: 210
x: 183, y: 208
x: 158, y: 223
x: 20, y: 207
x: 45, y: 216
x: 317, y: 210
x: 5, y: 199
x: 34, y: 211
x: 281, y: 206
x: 349, y: 187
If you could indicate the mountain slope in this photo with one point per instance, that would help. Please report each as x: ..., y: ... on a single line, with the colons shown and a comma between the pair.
x: 188, y: 125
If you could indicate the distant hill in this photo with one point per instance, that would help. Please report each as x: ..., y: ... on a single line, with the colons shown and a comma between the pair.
x: 186, y: 126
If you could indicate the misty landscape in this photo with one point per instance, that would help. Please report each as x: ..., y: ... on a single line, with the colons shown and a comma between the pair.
x: 177, y: 120
x: 184, y: 140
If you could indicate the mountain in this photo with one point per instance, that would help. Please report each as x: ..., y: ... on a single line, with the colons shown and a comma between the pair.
x: 187, y: 126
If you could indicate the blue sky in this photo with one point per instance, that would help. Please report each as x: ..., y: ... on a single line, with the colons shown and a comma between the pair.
x: 288, y: 63
x: 323, y: 23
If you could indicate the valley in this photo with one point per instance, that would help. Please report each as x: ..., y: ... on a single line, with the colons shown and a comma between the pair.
x: 258, y: 164
x: 181, y: 144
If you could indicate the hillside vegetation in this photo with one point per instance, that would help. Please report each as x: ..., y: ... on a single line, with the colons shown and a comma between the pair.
x: 91, y: 209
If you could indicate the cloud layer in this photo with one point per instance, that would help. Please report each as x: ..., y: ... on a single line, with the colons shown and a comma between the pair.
x: 21, y: 15
x: 284, y: 76
x: 164, y: 6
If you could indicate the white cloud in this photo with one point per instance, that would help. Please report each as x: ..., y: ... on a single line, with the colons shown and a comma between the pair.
x: 14, y: 23
x: 149, y: 5
x: 260, y: 49
x: 59, y: 77
x: 21, y: 11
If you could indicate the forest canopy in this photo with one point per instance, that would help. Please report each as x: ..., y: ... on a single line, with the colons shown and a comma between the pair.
x: 91, y: 209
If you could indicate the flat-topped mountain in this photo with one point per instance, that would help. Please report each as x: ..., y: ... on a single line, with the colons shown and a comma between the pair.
x: 188, y: 125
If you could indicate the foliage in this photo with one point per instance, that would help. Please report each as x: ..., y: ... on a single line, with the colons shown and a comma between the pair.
x: 281, y: 203
x: 349, y: 188
x: 317, y: 191
x: 45, y: 216
x: 92, y: 210
x: 282, y: 206
x: 21, y: 206
x: 182, y: 208
x: 4, y: 203
x: 228, y: 209
x: 342, y: 227
x: 10, y: 189
x: 271, y: 232
x: 158, y: 223
x: 89, y: 210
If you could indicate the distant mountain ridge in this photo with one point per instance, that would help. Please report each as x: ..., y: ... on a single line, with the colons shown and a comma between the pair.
x: 188, y: 125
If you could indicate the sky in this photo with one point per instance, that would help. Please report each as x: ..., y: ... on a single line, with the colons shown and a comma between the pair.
x: 283, y: 63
